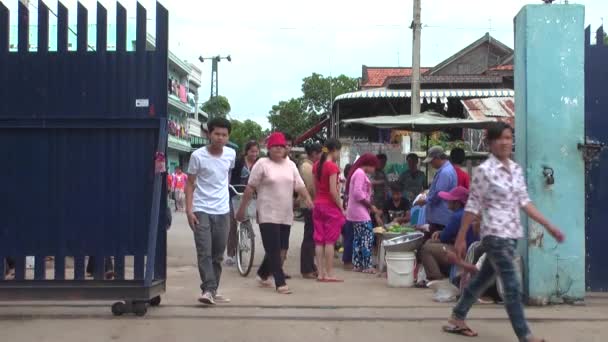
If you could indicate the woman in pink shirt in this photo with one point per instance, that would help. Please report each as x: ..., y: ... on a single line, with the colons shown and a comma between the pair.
x: 359, y: 191
x: 327, y: 215
x: 179, y: 186
x: 274, y: 179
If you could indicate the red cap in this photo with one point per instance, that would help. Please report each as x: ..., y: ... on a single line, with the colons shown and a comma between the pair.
x: 459, y: 193
x: 276, y: 139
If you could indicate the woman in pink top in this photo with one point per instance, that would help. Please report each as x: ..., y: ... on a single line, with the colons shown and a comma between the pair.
x: 274, y: 179
x: 359, y: 191
x: 327, y: 215
x: 179, y: 187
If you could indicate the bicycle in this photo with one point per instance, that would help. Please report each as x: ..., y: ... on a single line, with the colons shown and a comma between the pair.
x: 245, y: 249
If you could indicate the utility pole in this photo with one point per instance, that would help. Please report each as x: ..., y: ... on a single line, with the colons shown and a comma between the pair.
x: 214, y: 79
x: 214, y: 70
x: 416, y: 26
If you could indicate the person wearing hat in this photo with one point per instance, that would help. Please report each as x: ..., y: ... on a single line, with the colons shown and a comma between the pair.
x: 274, y: 179
x: 437, y: 212
x: 433, y: 253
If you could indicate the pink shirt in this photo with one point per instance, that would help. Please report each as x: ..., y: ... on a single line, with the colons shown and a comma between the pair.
x: 360, y: 188
x: 275, y: 183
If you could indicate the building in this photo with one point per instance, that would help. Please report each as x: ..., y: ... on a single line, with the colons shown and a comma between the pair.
x: 481, y: 70
x: 184, y: 116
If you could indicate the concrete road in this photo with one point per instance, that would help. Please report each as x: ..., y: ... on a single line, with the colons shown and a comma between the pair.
x: 361, y: 309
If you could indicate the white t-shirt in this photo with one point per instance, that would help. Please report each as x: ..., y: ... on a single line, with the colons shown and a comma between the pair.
x: 212, y: 173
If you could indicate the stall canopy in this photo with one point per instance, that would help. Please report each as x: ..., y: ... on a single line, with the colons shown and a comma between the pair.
x: 428, y: 121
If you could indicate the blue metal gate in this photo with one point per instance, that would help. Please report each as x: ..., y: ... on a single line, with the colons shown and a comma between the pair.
x: 79, y: 134
x: 596, y: 156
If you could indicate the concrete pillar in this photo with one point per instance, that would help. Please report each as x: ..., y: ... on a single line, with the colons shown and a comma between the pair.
x: 549, y: 102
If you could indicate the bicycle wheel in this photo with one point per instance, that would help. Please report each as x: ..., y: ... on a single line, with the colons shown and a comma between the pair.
x: 245, y: 248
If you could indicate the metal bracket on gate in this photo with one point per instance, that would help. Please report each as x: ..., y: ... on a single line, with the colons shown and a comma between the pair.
x: 591, y: 150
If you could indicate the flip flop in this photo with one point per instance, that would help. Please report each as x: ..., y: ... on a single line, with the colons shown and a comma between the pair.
x: 463, y: 331
x: 332, y: 280
x: 284, y: 290
x: 263, y: 283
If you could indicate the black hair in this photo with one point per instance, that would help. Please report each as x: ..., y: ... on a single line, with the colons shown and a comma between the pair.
x: 381, y: 157
x: 495, y: 131
x: 412, y: 156
x: 249, y: 145
x: 331, y: 145
x: 178, y: 167
x: 312, y: 148
x: 457, y: 156
x: 396, y: 187
x: 347, y: 169
x: 288, y: 137
x: 219, y: 123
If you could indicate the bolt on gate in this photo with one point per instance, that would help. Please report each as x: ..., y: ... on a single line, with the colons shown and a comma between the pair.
x: 83, y: 136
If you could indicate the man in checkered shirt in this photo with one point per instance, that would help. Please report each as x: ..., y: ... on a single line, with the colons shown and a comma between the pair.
x: 498, y: 192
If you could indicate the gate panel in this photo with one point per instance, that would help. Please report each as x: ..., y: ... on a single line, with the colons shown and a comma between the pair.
x: 79, y: 160
x: 596, y: 131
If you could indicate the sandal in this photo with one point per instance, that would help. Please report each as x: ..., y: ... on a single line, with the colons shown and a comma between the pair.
x: 463, y: 331
x: 265, y: 283
x: 369, y: 271
x: 331, y: 280
x: 284, y: 290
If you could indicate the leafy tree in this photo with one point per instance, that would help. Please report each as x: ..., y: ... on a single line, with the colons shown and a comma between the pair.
x: 242, y: 132
x: 443, y: 139
x: 290, y: 117
x: 605, y: 39
x: 217, y: 107
x: 320, y: 91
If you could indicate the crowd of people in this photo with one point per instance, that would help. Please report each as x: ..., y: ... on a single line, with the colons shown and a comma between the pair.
x: 347, y: 205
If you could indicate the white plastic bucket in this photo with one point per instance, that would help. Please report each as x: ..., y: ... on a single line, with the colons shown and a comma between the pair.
x: 400, y: 268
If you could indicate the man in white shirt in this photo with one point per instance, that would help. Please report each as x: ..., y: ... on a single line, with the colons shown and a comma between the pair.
x: 207, y: 206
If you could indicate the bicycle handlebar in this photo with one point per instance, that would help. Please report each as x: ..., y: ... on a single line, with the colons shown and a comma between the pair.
x: 233, y: 188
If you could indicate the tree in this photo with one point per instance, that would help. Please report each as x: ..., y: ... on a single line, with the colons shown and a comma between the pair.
x: 320, y: 91
x: 290, y: 117
x: 242, y: 132
x: 605, y: 39
x: 217, y: 107
x: 297, y: 115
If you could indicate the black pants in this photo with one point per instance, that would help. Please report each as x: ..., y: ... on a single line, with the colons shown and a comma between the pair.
x: 307, y: 251
x: 273, y: 236
x: 109, y: 265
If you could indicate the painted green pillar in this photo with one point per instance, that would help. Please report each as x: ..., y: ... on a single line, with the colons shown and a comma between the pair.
x: 549, y: 106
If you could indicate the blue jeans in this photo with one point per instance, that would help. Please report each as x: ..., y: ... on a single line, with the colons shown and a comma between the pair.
x: 347, y: 237
x: 500, y: 255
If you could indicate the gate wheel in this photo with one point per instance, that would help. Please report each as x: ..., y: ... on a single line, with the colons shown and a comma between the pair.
x: 140, y: 308
x: 119, y: 308
x: 155, y: 301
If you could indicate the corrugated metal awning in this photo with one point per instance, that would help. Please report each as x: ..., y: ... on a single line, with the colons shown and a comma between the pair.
x: 493, y: 108
x: 433, y: 95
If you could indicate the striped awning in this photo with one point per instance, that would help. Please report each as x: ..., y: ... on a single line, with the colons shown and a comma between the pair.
x: 431, y: 95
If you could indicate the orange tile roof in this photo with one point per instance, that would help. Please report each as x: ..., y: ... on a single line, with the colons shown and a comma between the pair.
x: 376, y: 77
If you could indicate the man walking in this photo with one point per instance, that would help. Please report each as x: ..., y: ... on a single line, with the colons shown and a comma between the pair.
x: 307, y: 251
x: 497, y: 193
x: 207, y: 206
x: 437, y: 212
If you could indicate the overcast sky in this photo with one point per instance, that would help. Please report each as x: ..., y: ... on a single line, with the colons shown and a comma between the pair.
x: 274, y: 44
